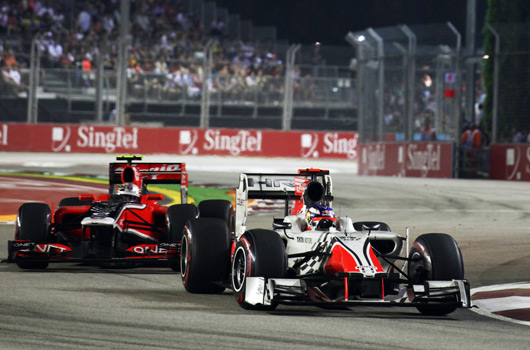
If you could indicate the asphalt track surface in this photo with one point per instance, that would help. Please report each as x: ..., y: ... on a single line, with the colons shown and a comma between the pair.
x: 82, y: 307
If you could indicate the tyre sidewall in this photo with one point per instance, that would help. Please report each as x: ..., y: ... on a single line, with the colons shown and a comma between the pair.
x: 33, y: 224
x: 262, y: 254
x: 205, y: 255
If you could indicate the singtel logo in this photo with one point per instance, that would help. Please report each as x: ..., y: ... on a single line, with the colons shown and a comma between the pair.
x: 334, y: 144
x: 374, y: 157
x: 424, y: 160
x: 3, y: 135
x: 243, y: 141
x: 117, y: 138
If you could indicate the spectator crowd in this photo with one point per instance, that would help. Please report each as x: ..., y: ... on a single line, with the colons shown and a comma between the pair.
x: 165, y: 49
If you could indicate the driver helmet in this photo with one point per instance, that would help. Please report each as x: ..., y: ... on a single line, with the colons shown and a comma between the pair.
x: 126, y: 192
x: 320, y: 217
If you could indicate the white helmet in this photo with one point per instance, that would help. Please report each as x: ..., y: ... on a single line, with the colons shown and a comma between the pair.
x: 127, y: 192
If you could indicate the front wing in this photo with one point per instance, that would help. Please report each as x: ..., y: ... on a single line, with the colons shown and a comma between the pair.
x: 56, y: 252
x: 263, y: 291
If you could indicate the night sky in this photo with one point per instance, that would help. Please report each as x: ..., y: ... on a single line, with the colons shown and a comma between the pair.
x: 328, y: 21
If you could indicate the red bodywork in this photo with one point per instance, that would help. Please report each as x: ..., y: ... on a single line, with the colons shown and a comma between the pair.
x: 100, y: 228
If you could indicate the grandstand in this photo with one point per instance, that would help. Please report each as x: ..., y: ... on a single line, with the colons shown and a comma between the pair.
x: 168, y: 71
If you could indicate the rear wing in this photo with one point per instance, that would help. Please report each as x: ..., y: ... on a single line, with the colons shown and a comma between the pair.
x: 280, y: 186
x: 153, y: 173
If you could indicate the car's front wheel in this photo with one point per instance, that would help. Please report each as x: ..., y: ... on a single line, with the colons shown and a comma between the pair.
x: 33, y: 224
x: 435, y: 256
x: 258, y: 253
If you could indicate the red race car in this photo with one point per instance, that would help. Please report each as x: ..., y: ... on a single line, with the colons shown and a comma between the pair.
x: 128, y: 225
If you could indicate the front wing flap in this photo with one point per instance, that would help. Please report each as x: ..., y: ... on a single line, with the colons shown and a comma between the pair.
x: 56, y: 252
x: 262, y: 291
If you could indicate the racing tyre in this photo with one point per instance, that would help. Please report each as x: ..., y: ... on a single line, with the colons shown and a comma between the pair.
x: 217, y: 208
x: 204, y: 255
x: 177, y: 216
x: 435, y: 256
x: 33, y: 224
x: 258, y: 253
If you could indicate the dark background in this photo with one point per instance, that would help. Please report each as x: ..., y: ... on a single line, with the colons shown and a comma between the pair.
x: 328, y: 21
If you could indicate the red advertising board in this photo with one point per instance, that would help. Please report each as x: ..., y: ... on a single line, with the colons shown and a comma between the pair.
x: 65, y: 138
x: 414, y: 159
x: 510, y: 162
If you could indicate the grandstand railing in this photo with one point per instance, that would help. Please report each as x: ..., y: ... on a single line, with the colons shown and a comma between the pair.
x: 318, y: 97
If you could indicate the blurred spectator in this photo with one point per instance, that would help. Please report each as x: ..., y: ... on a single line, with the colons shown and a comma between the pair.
x: 472, y: 136
x: 9, y: 59
x: 428, y: 133
x: 84, y: 21
x: 518, y: 136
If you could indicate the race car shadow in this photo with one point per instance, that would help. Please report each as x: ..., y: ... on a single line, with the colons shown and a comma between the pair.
x: 84, y: 268
x: 364, y: 312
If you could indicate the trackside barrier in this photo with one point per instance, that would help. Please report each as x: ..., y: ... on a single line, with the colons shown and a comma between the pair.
x: 510, y: 162
x: 74, y: 138
x: 407, y: 159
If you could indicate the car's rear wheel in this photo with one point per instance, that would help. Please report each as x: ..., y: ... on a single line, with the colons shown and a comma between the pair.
x: 177, y: 216
x: 258, y: 253
x: 33, y: 224
x: 204, y: 255
x: 435, y: 256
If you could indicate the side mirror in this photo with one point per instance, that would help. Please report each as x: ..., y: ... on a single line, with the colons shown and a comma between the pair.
x: 281, y: 225
x: 155, y: 197
x: 87, y: 197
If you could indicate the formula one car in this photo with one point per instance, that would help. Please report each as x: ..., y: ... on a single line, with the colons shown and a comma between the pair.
x: 127, y: 227
x: 312, y: 257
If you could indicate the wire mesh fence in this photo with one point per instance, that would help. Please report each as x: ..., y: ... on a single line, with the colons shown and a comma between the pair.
x: 407, y: 80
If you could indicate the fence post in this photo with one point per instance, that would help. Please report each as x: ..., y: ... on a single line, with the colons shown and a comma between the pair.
x: 206, y: 79
x: 411, y: 67
x: 33, y: 102
x: 495, y: 83
x: 288, y: 89
x: 123, y: 58
x: 99, y: 82
x: 381, y: 83
x: 458, y: 104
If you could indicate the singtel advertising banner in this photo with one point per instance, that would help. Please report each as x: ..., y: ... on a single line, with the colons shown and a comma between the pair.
x: 415, y: 159
x: 510, y: 162
x: 184, y: 141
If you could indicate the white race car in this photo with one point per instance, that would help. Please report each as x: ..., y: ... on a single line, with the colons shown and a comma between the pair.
x: 311, y: 257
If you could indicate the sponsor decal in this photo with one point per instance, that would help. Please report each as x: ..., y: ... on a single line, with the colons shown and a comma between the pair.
x: 147, y: 249
x: 333, y: 144
x: 527, y: 168
x: 374, y: 157
x: 424, y: 160
x: 300, y: 184
x: 3, y: 135
x: 60, y: 138
x: 242, y: 141
x: 366, y: 269
x: 309, y: 143
x: 24, y: 245
x: 118, y: 137
x: 47, y: 248
x: 187, y: 141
